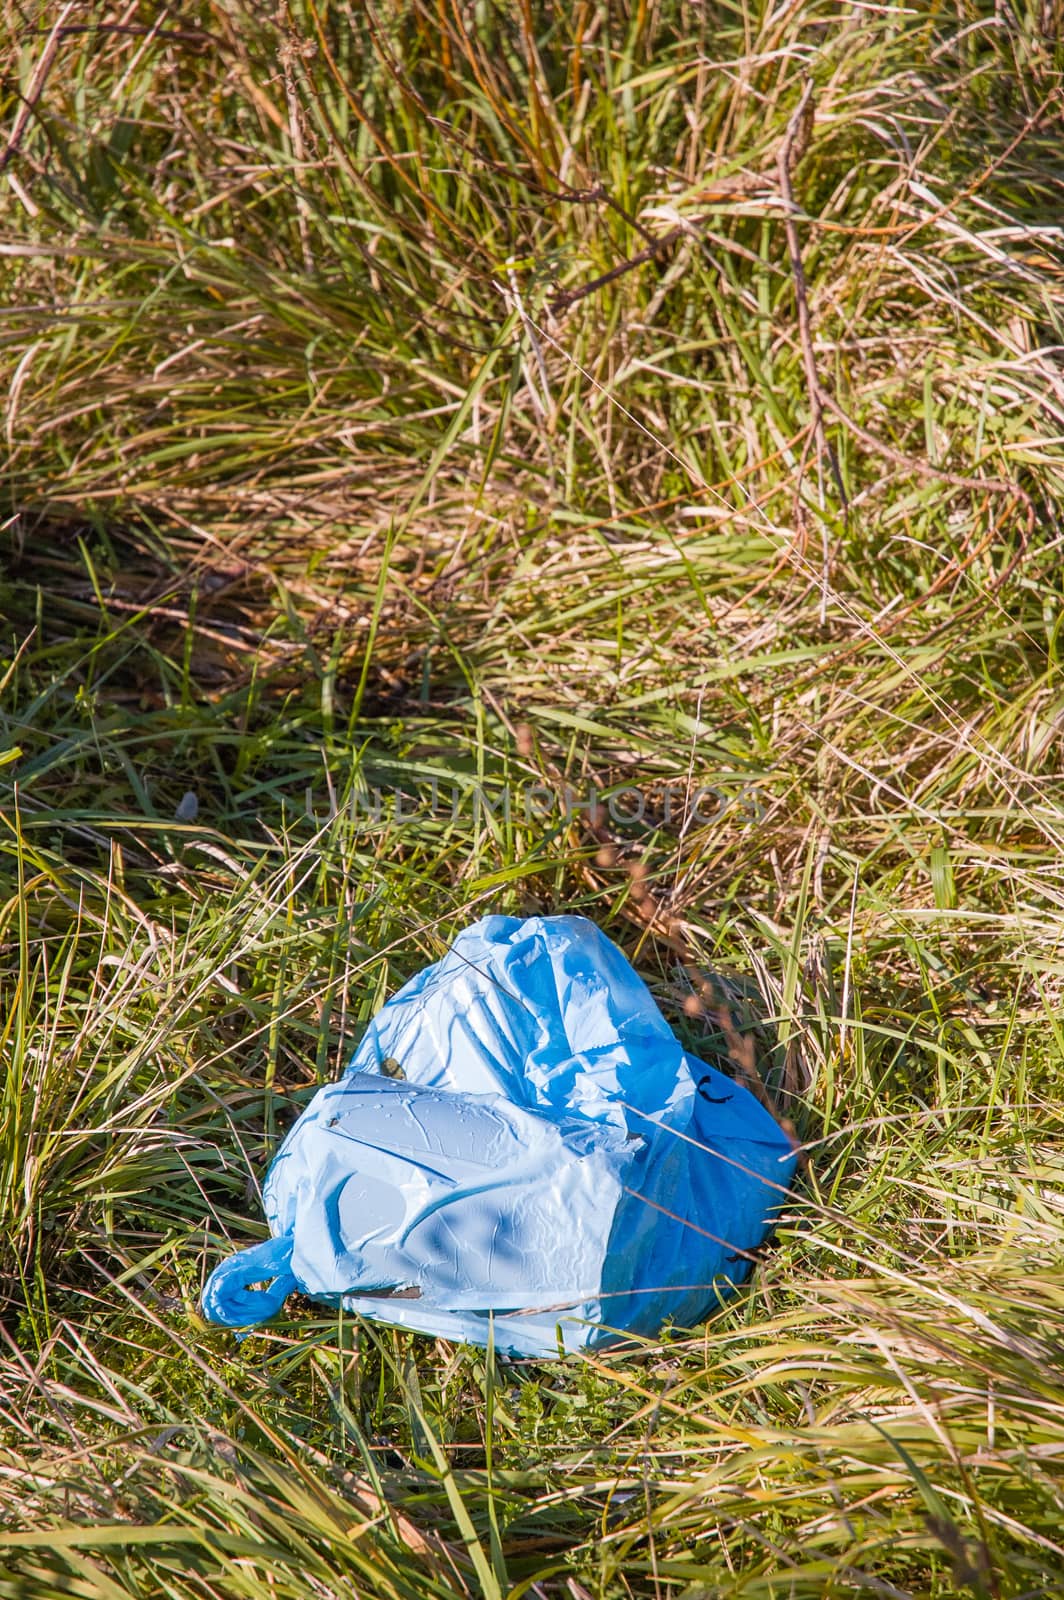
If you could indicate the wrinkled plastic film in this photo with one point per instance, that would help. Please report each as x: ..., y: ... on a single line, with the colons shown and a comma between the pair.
x: 519, y: 1135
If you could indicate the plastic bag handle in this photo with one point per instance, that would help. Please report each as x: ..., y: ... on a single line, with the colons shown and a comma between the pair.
x: 228, y: 1299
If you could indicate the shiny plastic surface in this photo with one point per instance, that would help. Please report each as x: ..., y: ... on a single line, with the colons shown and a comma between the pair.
x: 519, y: 1136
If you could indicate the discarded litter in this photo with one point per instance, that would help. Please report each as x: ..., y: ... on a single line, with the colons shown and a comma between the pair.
x: 187, y: 808
x: 518, y: 1137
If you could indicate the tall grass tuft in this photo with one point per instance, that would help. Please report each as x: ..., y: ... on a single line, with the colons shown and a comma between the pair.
x: 525, y: 457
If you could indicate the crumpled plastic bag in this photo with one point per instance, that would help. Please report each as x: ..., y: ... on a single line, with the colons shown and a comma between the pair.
x: 519, y: 1138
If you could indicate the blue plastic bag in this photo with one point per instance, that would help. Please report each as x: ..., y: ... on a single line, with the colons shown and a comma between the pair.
x: 518, y: 1137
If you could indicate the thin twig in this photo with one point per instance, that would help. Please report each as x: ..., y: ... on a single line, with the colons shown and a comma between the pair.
x: 919, y: 469
x: 791, y: 149
x: 569, y: 297
x: 726, y: 190
x: 35, y: 87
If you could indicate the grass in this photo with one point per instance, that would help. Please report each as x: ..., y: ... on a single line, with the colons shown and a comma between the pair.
x: 340, y: 494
